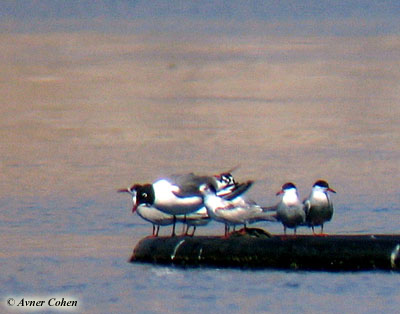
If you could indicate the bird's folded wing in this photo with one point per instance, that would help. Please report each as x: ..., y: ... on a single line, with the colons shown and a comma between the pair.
x: 189, y: 184
x: 239, y: 189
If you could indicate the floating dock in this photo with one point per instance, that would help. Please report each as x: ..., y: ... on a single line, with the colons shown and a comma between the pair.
x: 256, y: 249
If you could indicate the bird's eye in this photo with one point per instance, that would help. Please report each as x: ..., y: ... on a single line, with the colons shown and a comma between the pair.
x: 144, y: 194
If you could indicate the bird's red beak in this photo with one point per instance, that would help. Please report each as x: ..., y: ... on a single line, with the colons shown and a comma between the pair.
x: 279, y: 193
x: 331, y: 190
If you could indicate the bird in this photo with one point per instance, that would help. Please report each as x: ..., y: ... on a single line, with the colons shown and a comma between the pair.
x: 232, y: 212
x: 290, y: 210
x: 148, y: 212
x: 171, y: 197
x: 318, y: 205
x: 159, y: 218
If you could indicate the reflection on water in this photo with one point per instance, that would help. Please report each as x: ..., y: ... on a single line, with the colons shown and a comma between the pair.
x: 83, y: 114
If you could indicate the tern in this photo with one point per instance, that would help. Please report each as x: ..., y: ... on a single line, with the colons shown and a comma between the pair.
x: 318, y: 206
x: 290, y: 210
x: 232, y: 212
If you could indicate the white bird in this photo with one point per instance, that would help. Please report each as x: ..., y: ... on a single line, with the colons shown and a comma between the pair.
x: 318, y: 206
x: 171, y: 198
x: 290, y: 211
x: 232, y: 212
x: 159, y: 218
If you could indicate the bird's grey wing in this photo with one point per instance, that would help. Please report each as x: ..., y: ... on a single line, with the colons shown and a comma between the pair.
x: 180, y: 179
x: 264, y: 216
x: 189, y: 184
x: 239, y: 189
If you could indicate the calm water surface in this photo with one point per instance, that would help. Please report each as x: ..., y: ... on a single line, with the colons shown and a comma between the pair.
x: 86, y: 113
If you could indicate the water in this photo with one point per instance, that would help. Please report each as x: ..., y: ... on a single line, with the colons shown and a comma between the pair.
x: 84, y: 113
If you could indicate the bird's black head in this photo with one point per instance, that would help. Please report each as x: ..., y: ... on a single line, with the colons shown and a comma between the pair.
x: 145, y: 194
x: 324, y: 185
x: 288, y: 186
x: 321, y: 183
x: 285, y: 187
